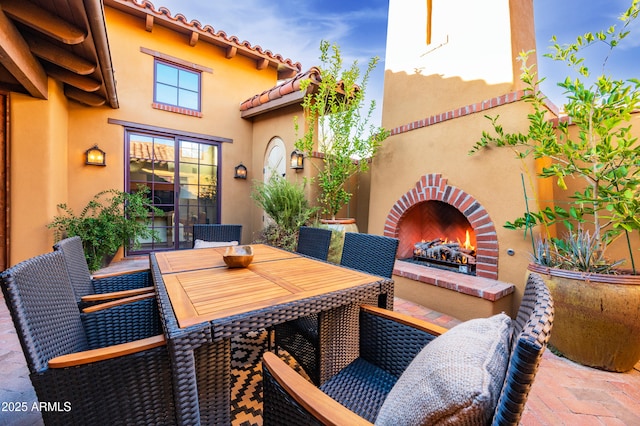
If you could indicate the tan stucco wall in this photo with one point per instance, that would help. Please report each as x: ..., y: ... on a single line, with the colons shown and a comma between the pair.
x: 280, y: 123
x: 38, y: 169
x: 492, y: 177
x: 265, y: 128
x: 471, y: 56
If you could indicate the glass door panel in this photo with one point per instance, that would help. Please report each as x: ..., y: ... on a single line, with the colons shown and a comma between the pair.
x: 185, y: 194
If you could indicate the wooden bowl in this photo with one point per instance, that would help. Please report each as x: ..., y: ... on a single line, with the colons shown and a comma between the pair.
x: 238, y: 256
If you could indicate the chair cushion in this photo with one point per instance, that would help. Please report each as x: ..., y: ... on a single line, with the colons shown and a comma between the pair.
x: 455, y: 379
x: 207, y: 244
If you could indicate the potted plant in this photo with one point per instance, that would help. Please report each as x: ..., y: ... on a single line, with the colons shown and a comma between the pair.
x: 111, y: 219
x: 597, y: 304
x: 336, y: 122
x: 286, y: 204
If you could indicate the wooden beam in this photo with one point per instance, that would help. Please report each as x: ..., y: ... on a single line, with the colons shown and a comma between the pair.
x: 148, y: 25
x: 42, y: 21
x: 231, y: 52
x: 61, y: 57
x: 84, y: 97
x: 262, y: 63
x: 18, y: 60
x: 193, y: 39
x: 86, y: 84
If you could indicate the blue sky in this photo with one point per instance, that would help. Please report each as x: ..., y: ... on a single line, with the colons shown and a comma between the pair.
x: 294, y: 28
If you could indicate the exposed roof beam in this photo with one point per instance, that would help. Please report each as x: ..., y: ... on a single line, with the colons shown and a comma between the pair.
x: 193, y: 40
x: 43, y: 21
x: 15, y: 56
x: 84, y: 97
x: 52, y: 53
x: 86, y: 84
x: 148, y: 24
x: 262, y: 63
x: 231, y: 52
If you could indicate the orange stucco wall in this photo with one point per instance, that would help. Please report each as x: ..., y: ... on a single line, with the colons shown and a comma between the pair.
x: 471, y: 59
x: 38, y: 175
x: 49, y: 137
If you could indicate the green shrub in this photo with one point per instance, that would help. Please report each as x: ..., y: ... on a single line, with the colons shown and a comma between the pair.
x: 112, y: 219
x: 286, y: 204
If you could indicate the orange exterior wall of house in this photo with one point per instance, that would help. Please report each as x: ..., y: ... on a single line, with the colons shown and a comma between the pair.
x: 49, y: 137
x: 39, y: 131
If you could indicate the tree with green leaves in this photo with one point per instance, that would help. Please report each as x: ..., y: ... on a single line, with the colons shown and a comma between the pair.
x: 335, y: 117
x: 604, y: 154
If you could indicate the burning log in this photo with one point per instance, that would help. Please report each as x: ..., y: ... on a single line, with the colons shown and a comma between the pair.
x: 441, y: 250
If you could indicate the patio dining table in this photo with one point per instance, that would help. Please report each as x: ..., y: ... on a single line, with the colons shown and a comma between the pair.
x: 204, y: 304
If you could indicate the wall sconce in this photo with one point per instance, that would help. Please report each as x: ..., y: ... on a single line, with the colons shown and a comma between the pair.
x: 297, y: 160
x: 241, y: 171
x: 94, y: 156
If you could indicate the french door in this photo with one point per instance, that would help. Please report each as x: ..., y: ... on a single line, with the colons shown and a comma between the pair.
x: 183, y: 180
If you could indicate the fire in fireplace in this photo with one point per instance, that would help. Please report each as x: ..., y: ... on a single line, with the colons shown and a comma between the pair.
x: 451, y: 255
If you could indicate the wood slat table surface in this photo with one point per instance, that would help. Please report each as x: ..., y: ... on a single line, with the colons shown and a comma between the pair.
x: 190, y: 260
x: 274, y: 277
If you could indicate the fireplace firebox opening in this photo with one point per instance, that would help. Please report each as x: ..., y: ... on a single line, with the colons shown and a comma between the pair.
x: 439, y: 235
x: 434, y: 211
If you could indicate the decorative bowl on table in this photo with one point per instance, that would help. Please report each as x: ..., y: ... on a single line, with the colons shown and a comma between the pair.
x: 238, y: 256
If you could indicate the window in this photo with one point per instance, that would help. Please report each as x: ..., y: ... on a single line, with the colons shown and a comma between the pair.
x: 176, y: 86
x: 182, y: 176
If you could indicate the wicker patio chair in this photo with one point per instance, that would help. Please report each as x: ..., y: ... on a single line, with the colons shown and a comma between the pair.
x: 217, y: 232
x: 404, y: 370
x: 314, y: 242
x: 89, y: 289
x: 373, y: 254
x: 88, y: 364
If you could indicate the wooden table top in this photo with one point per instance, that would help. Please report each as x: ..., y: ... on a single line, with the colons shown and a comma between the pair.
x: 274, y: 277
x: 190, y: 260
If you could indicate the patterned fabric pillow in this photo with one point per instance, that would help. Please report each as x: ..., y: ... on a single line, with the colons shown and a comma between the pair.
x: 456, y: 379
x: 207, y: 244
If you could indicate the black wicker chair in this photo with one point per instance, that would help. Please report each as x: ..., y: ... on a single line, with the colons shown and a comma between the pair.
x: 89, y: 290
x: 369, y: 253
x: 217, y: 232
x: 314, y: 242
x: 388, y: 343
x: 373, y: 254
x: 110, y: 366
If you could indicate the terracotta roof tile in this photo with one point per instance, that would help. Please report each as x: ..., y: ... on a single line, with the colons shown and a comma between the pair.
x: 282, y: 89
x: 218, y: 36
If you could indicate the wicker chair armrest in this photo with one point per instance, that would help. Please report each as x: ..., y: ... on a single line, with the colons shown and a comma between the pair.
x: 118, y: 302
x: 122, y: 281
x: 317, y: 403
x: 101, y: 276
x: 94, y: 355
x: 101, y: 297
x: 416, y: 323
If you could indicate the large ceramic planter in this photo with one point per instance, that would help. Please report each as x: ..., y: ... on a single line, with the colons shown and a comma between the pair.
x: 597, y: 317
x: 337, y: 238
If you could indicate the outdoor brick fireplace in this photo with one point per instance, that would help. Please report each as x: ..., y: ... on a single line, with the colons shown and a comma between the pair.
x: 434, y: 209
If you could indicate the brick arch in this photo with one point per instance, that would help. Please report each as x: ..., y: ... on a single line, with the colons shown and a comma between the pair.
x: 433, y: 187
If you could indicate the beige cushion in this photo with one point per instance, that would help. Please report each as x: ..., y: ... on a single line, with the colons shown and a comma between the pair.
x: 208, y: 244
x: 455, y: 379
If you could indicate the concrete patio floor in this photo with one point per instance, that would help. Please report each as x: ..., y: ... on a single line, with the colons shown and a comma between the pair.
x: 564, y: 393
